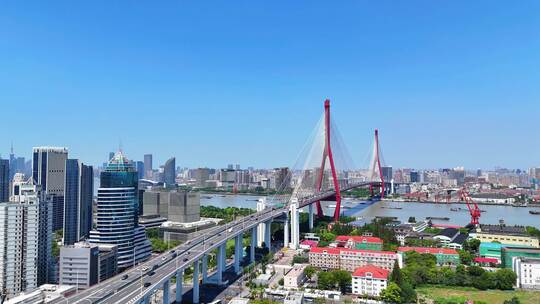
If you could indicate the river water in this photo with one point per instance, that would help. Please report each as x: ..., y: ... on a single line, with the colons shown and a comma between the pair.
x: 370, y: 210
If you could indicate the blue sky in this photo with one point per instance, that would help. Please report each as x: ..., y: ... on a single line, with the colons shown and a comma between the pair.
x: 448, y: 83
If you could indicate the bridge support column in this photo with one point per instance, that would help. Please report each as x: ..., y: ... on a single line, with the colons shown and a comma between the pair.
x: 146, y: 300
x: 286, y: 231
x: 253, y: 244
x: 295, y: 226
x: 238, y: 252
x: 204, y: 269
x: 179, y: 285
x: 261, y: 205
x: 166, y: 290
x: 220, y: 264
x: 310, y: 208
x: 268, y: 235
x: 196, y: 282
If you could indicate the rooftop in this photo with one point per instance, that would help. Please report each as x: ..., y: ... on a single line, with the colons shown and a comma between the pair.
x: 359, y: 239
x: 428, y: 250
x: 371, y: 271
x: 449, y: 232
x: 503, y: 229
x: 336, y: 251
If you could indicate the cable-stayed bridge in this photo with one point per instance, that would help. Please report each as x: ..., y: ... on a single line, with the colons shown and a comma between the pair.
x: 321, y: 172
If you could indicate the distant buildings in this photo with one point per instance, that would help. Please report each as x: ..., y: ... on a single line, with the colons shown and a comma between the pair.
x: 79, y: 191
x: 4, y: 180
x: 201, y: 175
x: 148, y: 166
x: 369, y: 280
x: 527, y: 271
x: 118, y: 213
x: 508, y: 235
x: 169, y: 172
x: 350, y: 259
x: 178, y: 206
x: 48, y: 171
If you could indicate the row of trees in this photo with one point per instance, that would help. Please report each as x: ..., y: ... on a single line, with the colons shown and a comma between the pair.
x: 421, y: 269
x: 227, y: 214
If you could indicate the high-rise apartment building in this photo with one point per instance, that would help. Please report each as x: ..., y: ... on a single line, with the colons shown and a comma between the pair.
x: 169, y: 172
x: 148, y: 166
x: 19, y: 237
x: 78, y: 201
x: 48, y: 171
x: 118, y: 213
x: 4, y: 180
x: 24, y: 192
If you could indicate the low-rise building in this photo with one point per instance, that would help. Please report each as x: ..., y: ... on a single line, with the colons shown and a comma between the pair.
x: 83, y: 264
x: 295, y: 277
x: 508, y: 253
x: 445, y: 256
x: 451, y: 238
x: 509, y: 235
x: 527, y: 271
x: 369, y: 280
x: 350, y: 259
x: 360, y: 242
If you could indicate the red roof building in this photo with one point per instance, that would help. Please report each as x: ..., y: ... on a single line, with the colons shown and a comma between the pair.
x: 350, y: 259
x: 369, y: 280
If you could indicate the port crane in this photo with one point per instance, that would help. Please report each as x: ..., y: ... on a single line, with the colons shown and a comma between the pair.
x: 471, y: 205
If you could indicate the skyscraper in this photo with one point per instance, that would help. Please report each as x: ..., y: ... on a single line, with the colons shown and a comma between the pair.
x: 118, y: 213
x: 139, y: 165
x: 48, y: 171
x: 25, y: 237
x: 169, y: 172
x: 4, y: 180
x: 78, y: 201
x: 148, y: 166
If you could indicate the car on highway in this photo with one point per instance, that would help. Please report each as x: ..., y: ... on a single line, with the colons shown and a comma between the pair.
x: 145, y: 268
x: 125, y: 277
x: 186, y: 259
x: 147, y: 284
x: 164, y: 257
x: 152, y: 273
x: 230, y: 229
x: 155, y: 267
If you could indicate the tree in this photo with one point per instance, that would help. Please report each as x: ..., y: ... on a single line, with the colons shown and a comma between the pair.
x: 484, y: 281
x: 343, y: 279
x: 325, y: 281
x: 309, y: 271
x: 392, y: 294
x: 412, y: 219
x: 281, y: 281
x: 465, y: 257
x: 299, y: 259
x: 407, y: 294
x: 396, y: 275
x: 505, y: 279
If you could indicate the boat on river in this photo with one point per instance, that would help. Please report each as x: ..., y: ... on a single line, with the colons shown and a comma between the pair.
x: 534, y: 212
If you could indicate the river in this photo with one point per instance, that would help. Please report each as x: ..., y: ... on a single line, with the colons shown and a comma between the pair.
x: 369, y: 210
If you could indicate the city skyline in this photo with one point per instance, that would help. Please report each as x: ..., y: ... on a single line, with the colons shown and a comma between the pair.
x: 189, y: 80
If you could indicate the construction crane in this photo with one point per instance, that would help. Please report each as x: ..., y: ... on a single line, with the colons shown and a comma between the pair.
x: 471, y: 205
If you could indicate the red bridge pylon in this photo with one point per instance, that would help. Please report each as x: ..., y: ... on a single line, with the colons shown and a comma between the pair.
x: 327, y: 152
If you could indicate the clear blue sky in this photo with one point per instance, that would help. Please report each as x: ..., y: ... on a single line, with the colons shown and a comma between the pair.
x: 448, y: 83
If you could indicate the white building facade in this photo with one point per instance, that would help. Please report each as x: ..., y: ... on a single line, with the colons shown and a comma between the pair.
x: 369, y: 281
x: 527, y: 271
